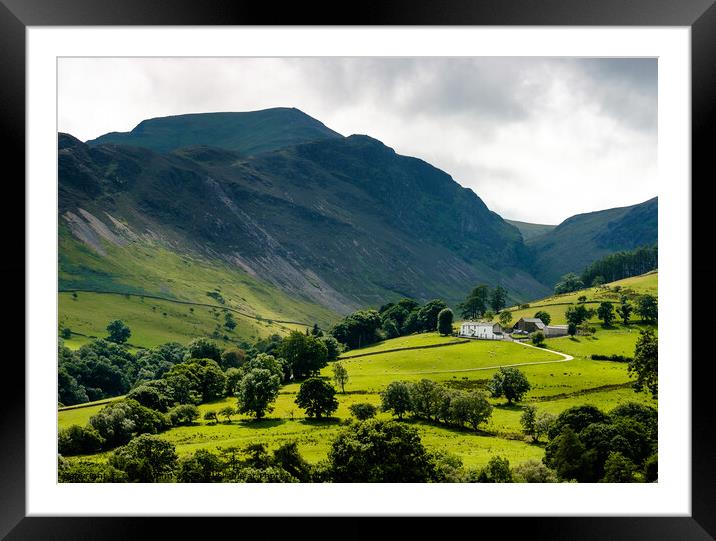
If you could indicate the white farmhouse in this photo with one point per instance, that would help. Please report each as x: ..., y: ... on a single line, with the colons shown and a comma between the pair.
x: 482, y: 330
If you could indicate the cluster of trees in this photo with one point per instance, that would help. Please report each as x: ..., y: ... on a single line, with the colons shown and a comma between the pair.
x: 646, y: 306
x: 431, y: 401
x: 621, y: 265
x: 483, y: 302
x: 105, y: 368
x: 371, y: 451
x: 588, y: 445
x: 391, y: 320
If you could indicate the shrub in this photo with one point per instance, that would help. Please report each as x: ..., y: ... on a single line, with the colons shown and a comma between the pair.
x: 79, y: 440
x: 146, y: 459
x: 89, y: 472
x: 363, y: 411
x: 183, y: 414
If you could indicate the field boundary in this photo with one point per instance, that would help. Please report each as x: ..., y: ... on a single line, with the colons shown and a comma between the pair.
x: 190, y: 303
x: 90, y: 404
x: 455, y: 343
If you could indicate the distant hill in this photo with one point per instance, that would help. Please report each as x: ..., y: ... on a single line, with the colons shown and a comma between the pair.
x: 530, y: 231
x: 582, y: 239
x: 246, y: 133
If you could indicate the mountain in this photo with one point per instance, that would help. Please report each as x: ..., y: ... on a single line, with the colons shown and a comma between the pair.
x: 530, y: 231
x: 585, y: 238
x: 246, y: 133
x: 324, y: 226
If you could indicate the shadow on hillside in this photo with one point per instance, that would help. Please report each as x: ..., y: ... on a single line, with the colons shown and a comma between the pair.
x: 260, y: 423
x: 325, y: 421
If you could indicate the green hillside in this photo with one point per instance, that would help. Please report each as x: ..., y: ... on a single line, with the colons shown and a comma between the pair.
x: 584, y: 238
x: 530, y: 231
x: 556, y: 305
x: 120, y: 284
x: 246, y: 132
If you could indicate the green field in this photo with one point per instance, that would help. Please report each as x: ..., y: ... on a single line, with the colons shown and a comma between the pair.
x: 154, y: 322
x: 556, y: 386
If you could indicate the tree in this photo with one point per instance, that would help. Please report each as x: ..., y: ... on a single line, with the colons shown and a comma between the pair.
x: 376, y: 451
x: 202, y: 348
x: 651, y: 469
x: 155, y: 394
x: 582, y: 299
x: 648, y: 308
x: 509, y: 382
x: 78, y: 440
x: 363, y: 411
x: 211, y: 416
x: 624, y: 310
x: 445, y: 317
x: 317, y: 397
x: 229, y: 321
x: 497, y: 470
x: 69, y: 391
x: 476, y: 302
x: 568, y: 283
x: 204, y: 376
x: 533, y: 471
x: 232, y: 358
x: 118, y: 332
x: 618, y: 469
x: 340, y: 376
x: 288, y: 458
x: 396, y: 398
x: 305, y: 355
x: 544, y: 316
x: 505, y: 318
x: 233, y: 378
x: 257, y: 392
x: 528, y: 420
x: 571, y: 329
x: 227, y: 412
x: 316, y: 331
x: 119, y: 421
x: 428, y: 314
x: 577, y: 418
x: 566, y: 455
x: 605, y: 312
x: 201, y: 467
x: 333, y: 347
x: 538, y: 339
x: 88, y: 472
x: 578, y: 314
x: 183, y: 414
x: 645, y: 365
x: 543, y: 423
x: 425, y: 397
x: 358, y: 329
x: 479, y: 409
x: 498, y: 299
x: 146, y: 459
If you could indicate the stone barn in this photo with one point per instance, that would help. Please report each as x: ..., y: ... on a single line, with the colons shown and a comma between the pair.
x: 530, y: 324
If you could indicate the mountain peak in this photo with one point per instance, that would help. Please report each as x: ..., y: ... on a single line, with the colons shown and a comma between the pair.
x: 248, y: 133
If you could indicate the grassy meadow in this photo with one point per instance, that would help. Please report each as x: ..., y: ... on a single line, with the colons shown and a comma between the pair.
x: 556, y: 385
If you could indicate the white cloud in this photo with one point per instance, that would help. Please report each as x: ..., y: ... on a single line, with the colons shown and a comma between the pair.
x: 538, y: 139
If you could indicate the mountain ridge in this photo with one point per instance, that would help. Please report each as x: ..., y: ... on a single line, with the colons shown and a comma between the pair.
x: 340, y: 222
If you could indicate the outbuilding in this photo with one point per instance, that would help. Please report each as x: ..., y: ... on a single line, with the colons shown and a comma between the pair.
x: 530, y: 324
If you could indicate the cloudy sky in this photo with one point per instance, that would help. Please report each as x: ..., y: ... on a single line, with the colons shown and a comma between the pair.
x: 538, y: 139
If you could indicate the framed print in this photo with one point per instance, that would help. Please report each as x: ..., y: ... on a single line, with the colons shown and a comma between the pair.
x: 405, y: 264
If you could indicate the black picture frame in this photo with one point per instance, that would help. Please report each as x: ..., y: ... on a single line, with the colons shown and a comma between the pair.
x: 16, y: 15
